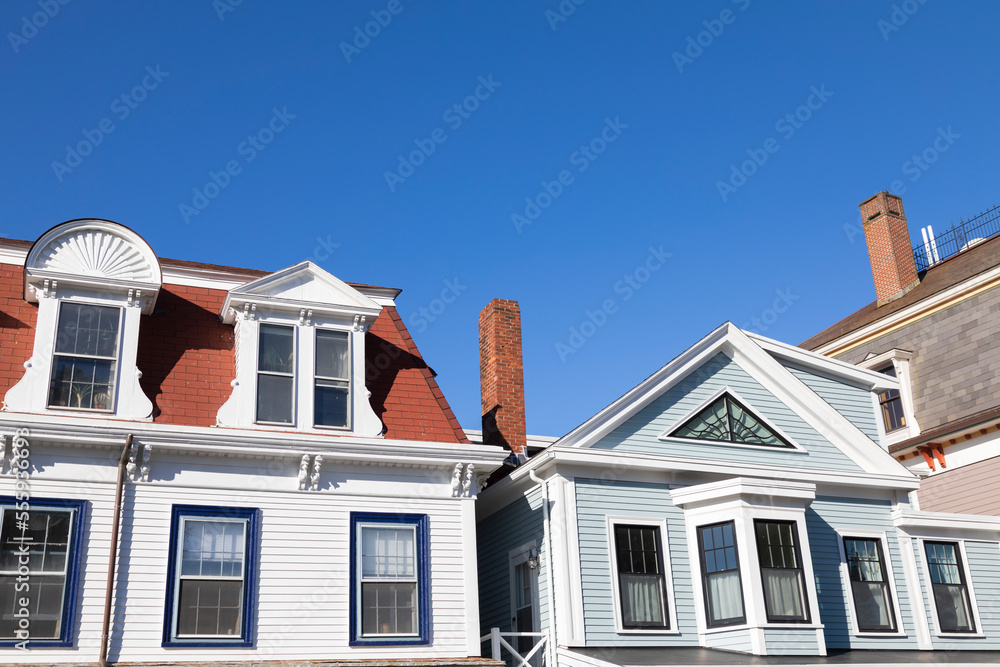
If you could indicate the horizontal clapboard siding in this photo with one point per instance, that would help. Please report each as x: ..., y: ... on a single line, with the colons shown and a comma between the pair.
x: 730, y: 640
x: 827, y: 515
x: 781, y: 641
x: 984, y: 566
x: 302, y: 591
x: 854, y: 402
x: 596, y: 500
x: 970, y: 489
x: 517, y: 524
x: 640, y: 433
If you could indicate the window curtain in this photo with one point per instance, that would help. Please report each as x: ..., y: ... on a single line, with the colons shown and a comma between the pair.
x: 953, y: 608
x: 783, y: 592
x: 872, y: 604
x: 725, y: 599
x: 642, y: 599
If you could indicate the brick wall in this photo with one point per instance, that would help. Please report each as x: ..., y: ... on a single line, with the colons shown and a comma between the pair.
x: 501, y: 375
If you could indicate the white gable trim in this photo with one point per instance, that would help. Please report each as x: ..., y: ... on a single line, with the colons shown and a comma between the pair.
x: 666, y: 435
x: 766, y: 370
x: 840, y: 370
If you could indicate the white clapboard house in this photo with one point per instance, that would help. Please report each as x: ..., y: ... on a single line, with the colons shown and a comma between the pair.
x: 291, y: 483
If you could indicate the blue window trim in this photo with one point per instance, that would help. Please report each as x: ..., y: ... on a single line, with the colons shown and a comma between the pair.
x: 252, y: 517
x: 421, y: 522
x: 70, y: 593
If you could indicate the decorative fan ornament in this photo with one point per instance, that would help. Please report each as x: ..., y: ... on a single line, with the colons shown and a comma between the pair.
x: 92, y: 252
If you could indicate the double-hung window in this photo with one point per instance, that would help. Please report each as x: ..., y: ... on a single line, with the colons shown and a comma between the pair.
x: 276, y: 374
x: 333, y: 373
x: 891, y: 404
x: 389, y: 577
x: 781, y: 572
x: 85, y: 362
x: 870, y: 587
x: 39, y: 564
x: 211, y: 576
x: 951, y: 590
x: 720, y: 569
x: 641, y: 577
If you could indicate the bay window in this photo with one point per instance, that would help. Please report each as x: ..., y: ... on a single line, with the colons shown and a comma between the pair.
x: 781, y: 572
x: 720, y: 569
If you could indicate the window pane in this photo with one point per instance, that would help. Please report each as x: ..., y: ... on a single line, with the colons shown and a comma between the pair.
x: 82, y: 383
x: 388, y: 552
x: 725, y: 600
x: 89, y: 330
x: 331, y: 403
x: 208, y: 607
x: 213, y: 548
x: 388, y: 608
x: 332, y: 354
x: 783, y: 594
x: 872, y: 597
x: 721, y: 574
x: 47, y: 540
x: 781, y: 571
x: 951, y: 593
x: 277, y: 349
x: 641, y: 583
x: 274, y: 398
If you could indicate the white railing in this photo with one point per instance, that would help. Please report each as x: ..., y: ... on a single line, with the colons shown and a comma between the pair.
x: 497, y: 641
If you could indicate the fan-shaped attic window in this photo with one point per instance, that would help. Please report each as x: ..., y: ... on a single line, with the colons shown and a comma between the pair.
x: 728, y: 420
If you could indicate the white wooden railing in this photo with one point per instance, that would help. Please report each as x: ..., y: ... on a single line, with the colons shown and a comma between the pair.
x: 496, y: 639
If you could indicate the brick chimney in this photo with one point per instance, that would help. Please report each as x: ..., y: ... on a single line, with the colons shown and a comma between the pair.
x: 889, y: 246
x: 501, y: 376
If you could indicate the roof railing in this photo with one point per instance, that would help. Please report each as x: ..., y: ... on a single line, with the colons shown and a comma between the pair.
x: 961, y: 236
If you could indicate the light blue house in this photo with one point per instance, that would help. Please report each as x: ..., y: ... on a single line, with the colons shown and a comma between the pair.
x: 739, y: 499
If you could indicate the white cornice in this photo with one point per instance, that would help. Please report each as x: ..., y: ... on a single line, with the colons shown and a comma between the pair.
x: 249, y: 443
x: 744, y: 487
x: 919, y: 522
x: 868, y: 379
x: 920, y: 309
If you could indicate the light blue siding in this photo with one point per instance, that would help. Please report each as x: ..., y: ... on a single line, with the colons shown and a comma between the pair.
x: 640, y: 432
x: 854, y: 402
x: 500, y: 533
x: 596, y: 500
x: 790, y: 641
x: 984, y: 566
x: 825, y: 515
x: 730, y: 640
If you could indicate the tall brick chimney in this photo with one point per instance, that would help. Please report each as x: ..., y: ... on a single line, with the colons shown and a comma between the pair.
x: 501, y: 376
x: 889, y: 246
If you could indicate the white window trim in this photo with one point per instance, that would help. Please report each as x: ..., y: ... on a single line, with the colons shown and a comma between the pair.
x: 661, y: 525
x: 795, y: 446
x: 296, y: 375
x: 900, y: 360
x: 515, y: 557
x: 178, y: 555
x: 845, y: 578
x: 116, y: 365
x: 929, y: 588
x: 360, y: 579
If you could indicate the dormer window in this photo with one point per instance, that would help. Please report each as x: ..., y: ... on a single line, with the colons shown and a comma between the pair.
x: 92, y: 281
x: 897, y: 421
x: 300, y: 339
x: 85, y: 366
x: 892, y: 405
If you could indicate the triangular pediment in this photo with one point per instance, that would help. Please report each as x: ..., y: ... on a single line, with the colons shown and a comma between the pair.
x: 303, y: 286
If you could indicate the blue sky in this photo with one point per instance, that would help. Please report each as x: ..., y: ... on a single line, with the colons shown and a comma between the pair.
x: 617, y: 120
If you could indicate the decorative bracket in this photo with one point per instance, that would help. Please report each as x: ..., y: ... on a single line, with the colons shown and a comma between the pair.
x: 49, y: 288
x: 3, y: 450
x: 314, y: 479
x: 359, y: 322
x: 303, y: 472
x: 130, y: 468
x: 456, y: 481
x: 249, y: 311
x: 468, y: 491
x: 305, y: 317
x: 147, y: 451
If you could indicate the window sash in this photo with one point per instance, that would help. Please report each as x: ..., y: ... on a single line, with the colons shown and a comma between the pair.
x: 642, y: 593
x: 268, y: 358
x: 375, y: 588
x: 950, y: 588
x: 720, y: 585
x: 781, y: 571
x: 180, y: 579
x: 81, y: 391
x: 874, y: 607
x: 49, y: 625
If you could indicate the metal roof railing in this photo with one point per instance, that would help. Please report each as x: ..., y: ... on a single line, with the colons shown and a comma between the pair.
x: 962, y: 235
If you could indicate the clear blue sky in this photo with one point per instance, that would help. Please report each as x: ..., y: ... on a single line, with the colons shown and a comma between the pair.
x: 672, y: 126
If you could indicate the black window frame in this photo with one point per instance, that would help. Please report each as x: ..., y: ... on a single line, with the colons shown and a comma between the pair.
x: 660, y: 564
x: 797, y: 546
x: 886, y: 584
x: 963, y: 584
x: 893, y: 397
x: 728, y: 398
x: 740, y: 620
